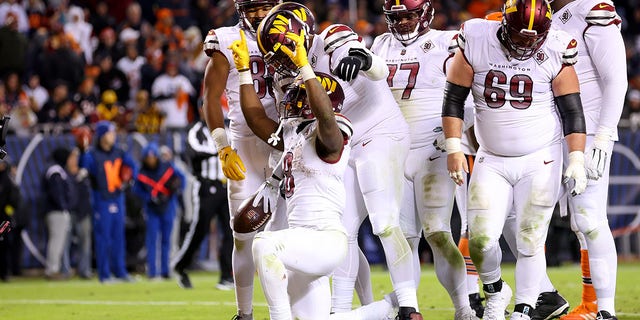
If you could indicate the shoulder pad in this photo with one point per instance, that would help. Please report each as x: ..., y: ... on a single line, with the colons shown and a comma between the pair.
x: 211, y: 43
x: 603, y: 14
x: 337, y: 35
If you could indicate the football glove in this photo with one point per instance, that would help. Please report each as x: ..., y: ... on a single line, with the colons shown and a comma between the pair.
x: 240, y: 53
x: 299, y: 56
x: 349, y: 66
x: 575, y: 171
x: 232, y: 165
x: 269, y: 191
x: 597, y: 157
x: 439, y: 144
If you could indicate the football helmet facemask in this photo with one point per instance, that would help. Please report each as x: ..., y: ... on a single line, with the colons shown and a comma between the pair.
x: 525, y: 25
x: 244, y: 6
x: 408, y: 19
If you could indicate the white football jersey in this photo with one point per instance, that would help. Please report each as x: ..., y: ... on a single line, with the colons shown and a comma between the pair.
x: 314, y: 188
x: 222, y: 39
x: 368, y: 104
x: 575, y: 18
x: 515, y: 108
x: 417, y: 79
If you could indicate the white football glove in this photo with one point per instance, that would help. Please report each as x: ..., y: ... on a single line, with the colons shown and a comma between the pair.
x: 597, y: 156
x: 576, y: 171
x: 269, y: 191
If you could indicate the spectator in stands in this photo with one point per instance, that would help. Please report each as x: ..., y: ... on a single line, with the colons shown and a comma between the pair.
x: 86, y: 100
x: 23, y: 119
x: 59, y: 93
x: 10, y: 199
x: 81, y: 31
x: 101, y: 19
x: 111, y: 78
x: 61, y: 198
x: 17, y: 10
x: 107, y: 45
x: 148, y: 118
x: 172, y: 92
x: 134, y: 20
x: 13, y: 91
x: 110, y: 168
x: 158, y: 184
x: 13, y: 45
x: 171, y: 33
x: 151, y: 70
x: 112, y: 110
x: 36, y: 93
x: 36, y: 11
x: 60, y: 62
x: 130, y: 65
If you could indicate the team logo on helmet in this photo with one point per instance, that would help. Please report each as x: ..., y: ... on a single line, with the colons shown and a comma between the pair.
x: 525, y: 25
x: 271, y: 36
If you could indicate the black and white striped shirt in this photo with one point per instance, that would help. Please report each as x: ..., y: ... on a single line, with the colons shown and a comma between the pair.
x: 202, y: 153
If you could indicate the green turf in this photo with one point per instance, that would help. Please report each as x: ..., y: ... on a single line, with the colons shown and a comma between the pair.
x: 35, y: 298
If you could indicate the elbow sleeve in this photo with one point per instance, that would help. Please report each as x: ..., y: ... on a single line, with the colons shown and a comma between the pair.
x: 454, y: 99
x: 570, y: 108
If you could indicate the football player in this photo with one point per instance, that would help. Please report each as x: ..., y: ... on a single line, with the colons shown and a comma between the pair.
x: 417, y: 58
x: 294, y: 264
x: 378, y: 149
x: 244, y: 157
x: 601, y: 70
x: 516, y: 68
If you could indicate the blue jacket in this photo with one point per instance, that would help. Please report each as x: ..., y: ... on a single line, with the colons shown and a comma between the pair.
x: 107, y: 169
x: 159, y: 187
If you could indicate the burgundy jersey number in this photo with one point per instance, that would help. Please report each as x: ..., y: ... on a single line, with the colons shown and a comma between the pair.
x: 289, y: 183
x: 520, y: 88
x: 260, y: 76
x: 413, y: 68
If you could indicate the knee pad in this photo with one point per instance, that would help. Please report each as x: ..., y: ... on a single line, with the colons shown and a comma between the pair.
x: 586, y: 222
x: 241, y: 240
x: 479, y: 245
x: 261, y: 247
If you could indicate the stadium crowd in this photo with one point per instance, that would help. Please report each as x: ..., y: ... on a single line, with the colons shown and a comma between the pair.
x: 68, y: 63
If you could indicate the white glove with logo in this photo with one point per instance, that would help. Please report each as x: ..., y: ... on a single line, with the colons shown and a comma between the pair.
x: 576, y: 171
x: 269, y: 191
x: 597, y: 156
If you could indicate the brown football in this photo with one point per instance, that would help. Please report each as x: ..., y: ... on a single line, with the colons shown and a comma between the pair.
x: 249, y: 218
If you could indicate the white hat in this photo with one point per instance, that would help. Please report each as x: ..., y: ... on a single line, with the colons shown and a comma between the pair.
x: 129, y: 34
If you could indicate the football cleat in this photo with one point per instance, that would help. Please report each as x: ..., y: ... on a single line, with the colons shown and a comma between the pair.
x: 183, y: 280
x: 584, y: 311
x: 550, y: 305
x: 475, y: 301
x: 408, y: 313
x: 605, y: 315
x: 497, y: 303
x: 241, y: 316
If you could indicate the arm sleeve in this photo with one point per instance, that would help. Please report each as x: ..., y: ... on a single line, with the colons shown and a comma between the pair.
x: 608, y: 54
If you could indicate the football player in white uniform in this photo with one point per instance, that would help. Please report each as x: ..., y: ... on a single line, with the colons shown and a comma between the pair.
x: 516, y: 70
x: 294, y: 264
x: 417, y: 58
x: 379, y: 147
x: 244, y: 157
x: 601, y: 70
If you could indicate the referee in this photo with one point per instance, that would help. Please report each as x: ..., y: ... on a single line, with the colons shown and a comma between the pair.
x: 209, y: 196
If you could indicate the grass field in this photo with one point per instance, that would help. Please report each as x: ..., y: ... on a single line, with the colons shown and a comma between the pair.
x: 35, y: 298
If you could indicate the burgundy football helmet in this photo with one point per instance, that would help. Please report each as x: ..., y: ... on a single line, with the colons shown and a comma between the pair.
x: 408, y: 19
x: 294, y: 103
x: 242, y: 6
x: 525, y: 25
x: 271, y: 35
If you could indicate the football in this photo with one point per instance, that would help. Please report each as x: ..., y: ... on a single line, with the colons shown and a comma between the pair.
x: 250, y: 218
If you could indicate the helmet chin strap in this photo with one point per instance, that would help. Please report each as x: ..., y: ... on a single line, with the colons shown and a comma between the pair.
x: 275, y: 137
